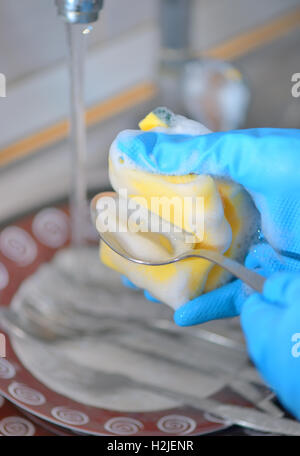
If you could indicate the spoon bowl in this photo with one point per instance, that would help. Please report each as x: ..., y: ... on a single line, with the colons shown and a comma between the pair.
x: 248, y: 276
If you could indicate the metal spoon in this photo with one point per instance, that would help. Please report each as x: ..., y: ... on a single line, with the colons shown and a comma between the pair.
x: 251, y: 278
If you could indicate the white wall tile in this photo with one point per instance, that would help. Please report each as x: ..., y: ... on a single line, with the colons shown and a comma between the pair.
x: 216, y: 20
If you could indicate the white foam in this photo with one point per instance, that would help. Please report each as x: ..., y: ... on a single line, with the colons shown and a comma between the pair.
x: 180, y: 125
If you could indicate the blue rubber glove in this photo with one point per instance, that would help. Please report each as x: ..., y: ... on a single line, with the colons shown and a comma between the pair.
x: 271, y: 324
x: 265, y: 161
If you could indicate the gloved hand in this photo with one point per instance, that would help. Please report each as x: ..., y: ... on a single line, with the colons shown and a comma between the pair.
x: 271, y: 324
x: 265, y: 162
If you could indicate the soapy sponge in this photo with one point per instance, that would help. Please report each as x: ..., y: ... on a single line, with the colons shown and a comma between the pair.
x: 229, y: 222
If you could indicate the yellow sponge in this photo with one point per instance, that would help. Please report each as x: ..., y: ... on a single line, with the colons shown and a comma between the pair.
x: 151, y: 121
x: 229, y: 217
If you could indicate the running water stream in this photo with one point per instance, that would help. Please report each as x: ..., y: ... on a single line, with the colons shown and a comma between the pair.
x: 76, y: 38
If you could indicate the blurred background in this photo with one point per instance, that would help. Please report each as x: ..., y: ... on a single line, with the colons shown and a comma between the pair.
x: 227, y: 63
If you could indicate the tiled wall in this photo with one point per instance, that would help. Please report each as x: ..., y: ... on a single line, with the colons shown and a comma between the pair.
x: 216, y: 20
x: 32, y: 37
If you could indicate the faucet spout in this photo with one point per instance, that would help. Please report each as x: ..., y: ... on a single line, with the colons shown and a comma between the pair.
x: 79, y: 11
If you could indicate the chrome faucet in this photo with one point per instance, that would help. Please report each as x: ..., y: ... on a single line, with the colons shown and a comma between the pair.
x: 79, y: 11
x: 174, y: 18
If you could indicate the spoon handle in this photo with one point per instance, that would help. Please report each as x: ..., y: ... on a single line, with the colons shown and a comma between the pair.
x: 251, y: 278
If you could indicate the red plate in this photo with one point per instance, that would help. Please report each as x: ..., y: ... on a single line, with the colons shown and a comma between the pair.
x: 24, y: 245
x: 14, y: 422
